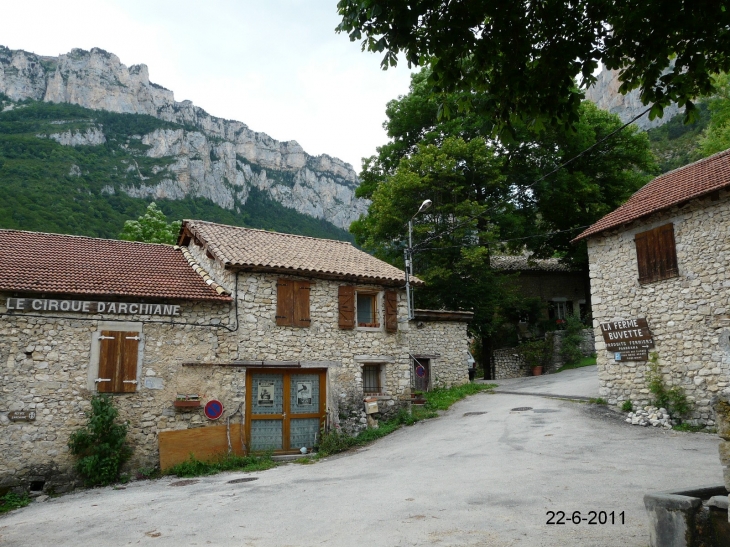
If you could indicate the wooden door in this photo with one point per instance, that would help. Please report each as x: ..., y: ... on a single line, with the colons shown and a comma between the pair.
x: 285, y: 410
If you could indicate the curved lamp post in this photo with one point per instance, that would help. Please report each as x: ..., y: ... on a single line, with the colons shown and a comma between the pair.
x: 408, y: 254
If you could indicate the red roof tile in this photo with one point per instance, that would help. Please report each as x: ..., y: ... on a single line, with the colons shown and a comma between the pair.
x: 60, y: 264
x: 260, y: 250
x: 688, y: 182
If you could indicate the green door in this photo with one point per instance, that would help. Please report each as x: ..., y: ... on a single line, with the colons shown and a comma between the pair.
x: 285, y: 409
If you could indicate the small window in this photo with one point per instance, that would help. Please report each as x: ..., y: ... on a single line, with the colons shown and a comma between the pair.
x: 367, y: 310
x: 117, y: 362
x: 656, y: 254
x: 371, y: 379
x: 559, y: 310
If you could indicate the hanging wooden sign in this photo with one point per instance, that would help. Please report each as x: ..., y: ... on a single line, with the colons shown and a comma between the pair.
x: 628, y: 340
x: 21, y: 415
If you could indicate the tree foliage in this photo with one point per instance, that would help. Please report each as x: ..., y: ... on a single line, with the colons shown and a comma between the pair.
x: 522, y: 57
x: 717, y: 135
x: 152, y: 227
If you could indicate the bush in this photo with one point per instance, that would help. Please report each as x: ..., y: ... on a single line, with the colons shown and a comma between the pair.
x: 627, y: 406
x: 570, y: 345
x: 11, y: 501
x: 101, y: 445
x: 673, y: 399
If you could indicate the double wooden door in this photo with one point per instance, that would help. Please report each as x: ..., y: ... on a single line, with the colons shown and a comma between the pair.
x: 285, y: 410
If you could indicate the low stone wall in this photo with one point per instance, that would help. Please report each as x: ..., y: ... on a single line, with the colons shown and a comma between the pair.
x: 508, y: 363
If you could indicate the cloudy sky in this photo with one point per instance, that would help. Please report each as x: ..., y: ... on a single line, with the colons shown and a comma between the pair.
x: 276, y: 65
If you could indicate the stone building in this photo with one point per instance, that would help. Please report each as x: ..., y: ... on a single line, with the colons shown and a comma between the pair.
x: 662, y: 257
x: 292, y: 332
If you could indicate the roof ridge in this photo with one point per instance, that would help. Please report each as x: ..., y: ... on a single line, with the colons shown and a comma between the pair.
x: 267, y: 231
x: 696, y: 162
x: 86, y: 237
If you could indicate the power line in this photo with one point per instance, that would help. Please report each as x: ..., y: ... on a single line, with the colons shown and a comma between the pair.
x: 506, y: 240
x: 558, y: 168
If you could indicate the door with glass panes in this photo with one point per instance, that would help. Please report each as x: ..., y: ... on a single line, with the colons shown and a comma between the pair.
x: 285, y: 410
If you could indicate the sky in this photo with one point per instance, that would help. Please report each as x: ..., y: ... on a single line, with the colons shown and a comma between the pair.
x: 276, y: 65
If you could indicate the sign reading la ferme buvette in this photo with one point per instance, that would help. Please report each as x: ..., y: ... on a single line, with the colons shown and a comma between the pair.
x: 45, y: 305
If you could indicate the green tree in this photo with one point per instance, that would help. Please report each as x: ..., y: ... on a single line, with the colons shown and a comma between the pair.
x: 152, y: 227
x: 522, y: 57
x: 716, y: 137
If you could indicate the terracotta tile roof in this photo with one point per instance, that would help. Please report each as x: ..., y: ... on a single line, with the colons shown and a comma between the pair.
x: 518, y: 263
x: 672, y: 188
x: 260, y: 250
x: 37, y: 262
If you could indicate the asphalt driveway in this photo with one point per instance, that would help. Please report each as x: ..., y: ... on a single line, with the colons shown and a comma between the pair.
x: 482, y: 474
x: 574, y: 383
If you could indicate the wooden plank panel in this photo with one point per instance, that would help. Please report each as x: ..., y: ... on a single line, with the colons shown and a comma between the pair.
x: 301, y: 291
x: 391, y: 311
x: 130, y: 349
x: 205, y: 443
x: 346, y: 296
x: 109, y: 353
x: 284, y: 302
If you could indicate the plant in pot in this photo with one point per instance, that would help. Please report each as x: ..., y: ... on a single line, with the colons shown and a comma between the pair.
x: 535, y: 354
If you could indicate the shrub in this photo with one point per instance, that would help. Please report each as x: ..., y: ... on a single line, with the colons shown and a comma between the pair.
x: 627, y: 406
x: 570, y: 345
x: 11, y: 501
x: 673, y: 399
x: 536, y: 353
x: 101, y: 445
x: 193, y: 467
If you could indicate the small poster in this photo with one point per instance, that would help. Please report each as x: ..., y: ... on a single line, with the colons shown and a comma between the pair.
x: 266, y: 393
x: 304, y: 393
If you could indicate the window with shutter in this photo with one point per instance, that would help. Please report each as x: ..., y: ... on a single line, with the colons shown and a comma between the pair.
x: 118, y: 362
x: 656, y: 254
x: 292, y: 303
x: 391, y: 311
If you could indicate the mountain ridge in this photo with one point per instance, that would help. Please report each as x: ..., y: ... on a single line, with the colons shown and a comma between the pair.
x: 215, y: 158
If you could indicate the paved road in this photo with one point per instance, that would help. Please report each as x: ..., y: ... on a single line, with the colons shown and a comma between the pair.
x: 482, y: 474
x: 579, y: 382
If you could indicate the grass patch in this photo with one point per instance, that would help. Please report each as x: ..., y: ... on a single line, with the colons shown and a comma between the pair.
x: 597, y: 401
x: 585, y: 362
x: 11, y: 501
x: 689, y: 428
x: 334, y: 442
x: 193, y: 467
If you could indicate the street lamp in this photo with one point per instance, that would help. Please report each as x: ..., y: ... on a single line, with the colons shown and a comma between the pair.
x: 408, y: 254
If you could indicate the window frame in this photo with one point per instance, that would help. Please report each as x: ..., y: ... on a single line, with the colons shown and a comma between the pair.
x: 376, y: 299
x: 379, y: 374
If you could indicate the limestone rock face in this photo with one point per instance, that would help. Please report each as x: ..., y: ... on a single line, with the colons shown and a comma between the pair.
x: 606, y: 96
x: 217, y: 159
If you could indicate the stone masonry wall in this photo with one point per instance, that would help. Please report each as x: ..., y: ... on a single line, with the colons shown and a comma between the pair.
x: 688, y: 315
x: 508, y: 363
x: 45, y: 367
x: 343, y: 351
x: 448, y: 340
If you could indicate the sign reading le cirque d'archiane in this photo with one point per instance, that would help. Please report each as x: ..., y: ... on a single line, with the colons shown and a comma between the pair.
x: 45, y: 305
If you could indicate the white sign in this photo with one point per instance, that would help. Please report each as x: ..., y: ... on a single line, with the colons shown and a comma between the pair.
x: 45, y: 305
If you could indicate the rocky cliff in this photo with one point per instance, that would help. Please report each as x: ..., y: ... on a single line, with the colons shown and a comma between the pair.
x: 605, y: 94
x: 211, y: 157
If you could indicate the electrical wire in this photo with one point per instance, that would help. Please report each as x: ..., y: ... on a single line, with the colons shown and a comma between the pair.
x: 558, y: 168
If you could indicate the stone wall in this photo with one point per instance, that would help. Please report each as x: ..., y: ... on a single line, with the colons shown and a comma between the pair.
x: 508, y: 363
x: 587, y: 346
x: 721, y: 408
x: 446, y: 344
x: 688, y: 315
x: 45, y: 368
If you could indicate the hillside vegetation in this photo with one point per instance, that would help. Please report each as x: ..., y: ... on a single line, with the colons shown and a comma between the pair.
x: 53, y: 187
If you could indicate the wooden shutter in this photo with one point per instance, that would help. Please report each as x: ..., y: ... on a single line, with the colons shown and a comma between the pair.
x: 110, y: 350
x: 391, y: 311
x: 301, y: 291
x: 284, y: 302
x: 346, y: 296
x: 118, y: 362
x: 656, y: 254
x: 128, y: 362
